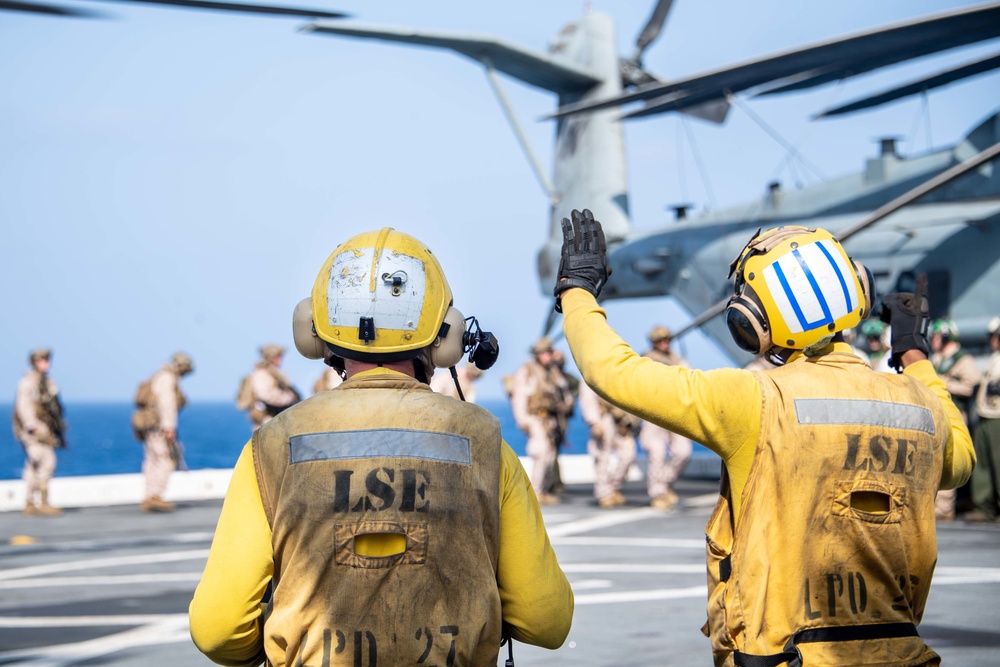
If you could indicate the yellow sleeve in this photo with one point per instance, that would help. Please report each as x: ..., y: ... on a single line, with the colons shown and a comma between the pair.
x: 225, y: 611
x: 959, y: 454
x: 535, y: 595
x: 721, y: 409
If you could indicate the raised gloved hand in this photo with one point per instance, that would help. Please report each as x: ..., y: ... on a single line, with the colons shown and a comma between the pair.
x: 908, y: 314
x: 584, y: 262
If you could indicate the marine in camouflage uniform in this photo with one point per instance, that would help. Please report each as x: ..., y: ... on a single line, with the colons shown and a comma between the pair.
x: 668, y: 453
x: 39, y: 427
x: 611, y: 443
x: 158, y: 403
x: 443, y: 383
x: 330, y: 379
x: 541, y: 402
x: 272, y: 389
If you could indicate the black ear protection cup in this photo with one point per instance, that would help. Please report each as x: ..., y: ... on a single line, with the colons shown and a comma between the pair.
x: 307, y: 342
x: 747, y: 322
x: 867, y: 281
x: 449, y: 346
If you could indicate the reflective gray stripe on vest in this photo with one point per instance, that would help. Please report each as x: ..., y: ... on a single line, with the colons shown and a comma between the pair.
x: 391, y: 442
x: 868, y: 413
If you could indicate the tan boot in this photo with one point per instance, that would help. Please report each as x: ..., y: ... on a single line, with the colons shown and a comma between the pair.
x: 31, y: 510
x: 156, y: 504
x: 45, y: 509
x: 664, y: 502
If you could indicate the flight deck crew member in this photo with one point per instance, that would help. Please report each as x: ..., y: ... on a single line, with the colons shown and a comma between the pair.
x: 986, y: 476
x: 272, y: 389
x: 961, y: 375
x: 667, y: 453
x: 393, y: 524
x: 39, y: 427
x: 159, y: 402
x: 822, y: 546
x: 541, y: 402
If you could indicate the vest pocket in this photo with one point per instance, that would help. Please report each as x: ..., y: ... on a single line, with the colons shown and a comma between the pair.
x: 869, y: 500
x: 414, y: 534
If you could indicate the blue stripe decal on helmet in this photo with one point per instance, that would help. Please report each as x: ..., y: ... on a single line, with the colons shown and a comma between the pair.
x: 840, y: 276
x: 790, y: 295
x: 817, y: 292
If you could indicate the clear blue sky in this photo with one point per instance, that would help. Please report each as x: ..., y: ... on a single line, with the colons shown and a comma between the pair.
x: 173, y: 180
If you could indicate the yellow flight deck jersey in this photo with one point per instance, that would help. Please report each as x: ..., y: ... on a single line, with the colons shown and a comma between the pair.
x: 833, y: 447
x: 531, y: 592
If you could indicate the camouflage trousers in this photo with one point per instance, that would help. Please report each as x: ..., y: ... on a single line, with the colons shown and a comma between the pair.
x: 541, y: 450
x: 668, y: 455
x: 39, y: 467
x: 157, y: 463
x: 613, y: 455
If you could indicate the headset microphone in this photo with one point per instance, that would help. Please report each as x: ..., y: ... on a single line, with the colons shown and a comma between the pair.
x: 482, y: 346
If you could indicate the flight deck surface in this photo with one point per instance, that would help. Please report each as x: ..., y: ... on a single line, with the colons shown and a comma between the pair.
x: 110, y: 586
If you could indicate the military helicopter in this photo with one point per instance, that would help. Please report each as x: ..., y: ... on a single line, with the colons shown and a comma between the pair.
x: 950, y: 232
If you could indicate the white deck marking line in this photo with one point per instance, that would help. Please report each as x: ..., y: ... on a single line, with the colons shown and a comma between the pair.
x: 170, y: 629
x: 634, y: 568
x: 670, y: 543
x: 705, y: 500
x: 588, y: 584
x: 67, y: 566
x: 638, y: 596
x: 614, y: 518
x: 104, y: 580
x: 88, y: 621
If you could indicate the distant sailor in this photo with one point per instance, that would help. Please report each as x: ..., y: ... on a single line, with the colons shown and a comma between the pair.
x: 960, y: 373
x: 267, y: 388
x: 667, y: 453
x: 39, y: 427
x: 158, y: 402
x: 986, y: 476
x: 822, y: 548
x: 875, y: 336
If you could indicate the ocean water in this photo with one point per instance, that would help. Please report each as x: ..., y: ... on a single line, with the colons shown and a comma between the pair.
x: 213, y: 434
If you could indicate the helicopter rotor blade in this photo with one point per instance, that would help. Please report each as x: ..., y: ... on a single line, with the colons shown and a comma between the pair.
x: 48, y: 10
x: 652, y: 28
x: 240, y: 7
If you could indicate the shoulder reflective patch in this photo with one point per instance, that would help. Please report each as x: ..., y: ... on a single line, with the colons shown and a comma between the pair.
x: 868, y: 413
x: 391, y: 442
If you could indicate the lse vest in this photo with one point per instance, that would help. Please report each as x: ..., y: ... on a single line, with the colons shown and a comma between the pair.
x: 382, y: 455
x: 831, y: 561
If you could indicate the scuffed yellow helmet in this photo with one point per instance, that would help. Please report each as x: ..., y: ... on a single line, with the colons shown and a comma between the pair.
x: 795, y: 288
x: 381, y: 294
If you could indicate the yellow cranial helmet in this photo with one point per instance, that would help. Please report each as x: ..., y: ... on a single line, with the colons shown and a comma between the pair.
x: 381, y: 296
x: 795, y: 288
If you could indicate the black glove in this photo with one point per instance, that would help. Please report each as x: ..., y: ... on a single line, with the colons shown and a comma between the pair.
x: 908, y: 315
x: 584, y: 262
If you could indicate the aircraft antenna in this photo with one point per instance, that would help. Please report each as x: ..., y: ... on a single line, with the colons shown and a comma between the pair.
x: 776, y: 136
x: 522, y: 139
x: 701, y: 165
